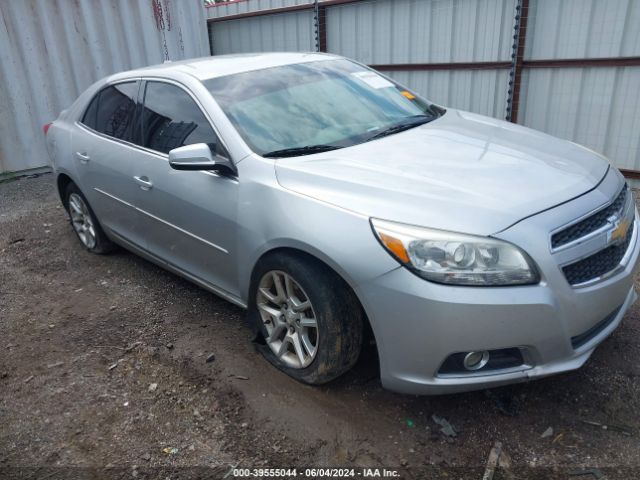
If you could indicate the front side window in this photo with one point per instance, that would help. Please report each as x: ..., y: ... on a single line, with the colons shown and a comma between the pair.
x: 171, y: 119
x: 112, y: 110
x: 303, y: 108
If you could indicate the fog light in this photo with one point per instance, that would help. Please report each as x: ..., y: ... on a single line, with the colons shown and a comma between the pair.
x: 482, y: 362
x: 476, y: 360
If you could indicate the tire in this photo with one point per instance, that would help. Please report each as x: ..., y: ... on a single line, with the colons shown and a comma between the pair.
x: 90, y: 233
x: 337, y: 313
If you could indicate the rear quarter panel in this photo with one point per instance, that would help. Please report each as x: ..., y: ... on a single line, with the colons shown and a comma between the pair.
x: 59, y: 139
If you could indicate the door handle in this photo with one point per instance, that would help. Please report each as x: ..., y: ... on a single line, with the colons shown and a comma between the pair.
x: 144, y: 182
x: 83, y: 157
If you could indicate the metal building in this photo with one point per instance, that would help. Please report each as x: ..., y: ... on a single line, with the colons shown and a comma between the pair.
x: 50, y: 51
x: 570, y: 68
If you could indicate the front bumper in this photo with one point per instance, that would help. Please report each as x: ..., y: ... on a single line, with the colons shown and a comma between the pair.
x: 418, y: 324
x: 415, y: 339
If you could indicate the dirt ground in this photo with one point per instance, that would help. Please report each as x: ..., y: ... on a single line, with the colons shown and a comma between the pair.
x: 106, y: 371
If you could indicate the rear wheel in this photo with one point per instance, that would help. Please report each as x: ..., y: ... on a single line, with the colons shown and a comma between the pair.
x: 84, y: 222
x: 309, y: 317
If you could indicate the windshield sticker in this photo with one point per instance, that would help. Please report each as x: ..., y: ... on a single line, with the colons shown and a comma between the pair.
x: 408, y: 95
x: 373, y: 79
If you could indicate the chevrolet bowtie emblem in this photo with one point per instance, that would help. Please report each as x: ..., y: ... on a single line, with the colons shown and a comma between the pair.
x: 619, y: 231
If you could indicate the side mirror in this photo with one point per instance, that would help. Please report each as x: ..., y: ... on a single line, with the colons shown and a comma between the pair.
x: 199, y: 157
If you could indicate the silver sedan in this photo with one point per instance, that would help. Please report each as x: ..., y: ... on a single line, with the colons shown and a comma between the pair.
x: 339, y: 207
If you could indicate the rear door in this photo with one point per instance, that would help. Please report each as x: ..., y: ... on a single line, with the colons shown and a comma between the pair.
x: 104, y: 149
x: 189, y: 217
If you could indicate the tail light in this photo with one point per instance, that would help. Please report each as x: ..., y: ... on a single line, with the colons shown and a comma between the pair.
x: 45, y: 127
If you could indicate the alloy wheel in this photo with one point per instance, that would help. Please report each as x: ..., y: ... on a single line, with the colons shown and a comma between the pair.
x: 81, y: 220
x: 289, y: 319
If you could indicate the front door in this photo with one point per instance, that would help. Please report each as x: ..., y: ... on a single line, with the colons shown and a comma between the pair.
x: 189, y: 217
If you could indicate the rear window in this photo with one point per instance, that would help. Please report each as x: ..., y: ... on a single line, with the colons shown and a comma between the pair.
x: 112, y: 110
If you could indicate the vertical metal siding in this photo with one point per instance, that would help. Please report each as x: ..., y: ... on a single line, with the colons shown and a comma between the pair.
x: 52, y: 50
x: 282, y: 32
x: 422, y: 31
x: 388, y: 32
x: 583, y: 29
x: 245, y: 6
x: 479, y: 91
x: 432, y: 31
x: 595, y: 107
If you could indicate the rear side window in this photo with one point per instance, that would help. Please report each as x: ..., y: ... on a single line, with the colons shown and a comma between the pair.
x: 89, y: 118
x: 171, y: 119
x: 112, y: 110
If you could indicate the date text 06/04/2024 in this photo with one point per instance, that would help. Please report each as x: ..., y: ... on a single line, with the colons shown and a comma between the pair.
x: 314, y: 473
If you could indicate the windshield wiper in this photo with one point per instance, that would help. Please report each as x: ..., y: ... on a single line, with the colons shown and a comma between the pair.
x: 296, y: 151
x: 405, y: 124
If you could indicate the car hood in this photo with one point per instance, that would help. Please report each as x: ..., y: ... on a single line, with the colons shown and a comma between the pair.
x: 462, y: 172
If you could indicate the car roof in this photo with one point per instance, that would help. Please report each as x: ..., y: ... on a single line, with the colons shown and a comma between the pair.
x: 204, y: 68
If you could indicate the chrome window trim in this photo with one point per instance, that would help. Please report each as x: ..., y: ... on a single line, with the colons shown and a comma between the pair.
x: 140, y: 147
x: 119, y: 141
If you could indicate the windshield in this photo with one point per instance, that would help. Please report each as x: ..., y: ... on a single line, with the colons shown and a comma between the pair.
x: 317, y: 106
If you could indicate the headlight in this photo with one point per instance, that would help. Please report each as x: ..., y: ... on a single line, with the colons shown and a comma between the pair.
x: 455, y: 258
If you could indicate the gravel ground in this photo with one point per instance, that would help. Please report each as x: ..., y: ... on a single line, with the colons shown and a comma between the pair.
x: 113, y: 368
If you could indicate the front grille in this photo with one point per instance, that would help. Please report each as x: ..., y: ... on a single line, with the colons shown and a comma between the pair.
x: 591, y: 223
x: 599, y: 263
x: 594, y: 331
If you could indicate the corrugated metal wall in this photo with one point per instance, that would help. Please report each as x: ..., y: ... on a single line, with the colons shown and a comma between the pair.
x: 284, y: 32
x: 411, y: 31
x: 292, y: 31
x: 583, y: 29
x: 387, y: 32
x: 235, y: 7
x: 479, y: 91
x: 597, y: 106
x: 384, y: 32
x: 52, y: 50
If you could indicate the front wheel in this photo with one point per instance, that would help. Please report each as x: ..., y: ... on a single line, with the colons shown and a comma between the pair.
x: 309, y: 317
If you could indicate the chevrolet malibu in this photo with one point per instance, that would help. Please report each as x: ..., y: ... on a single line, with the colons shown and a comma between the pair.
x: 334, y: 204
